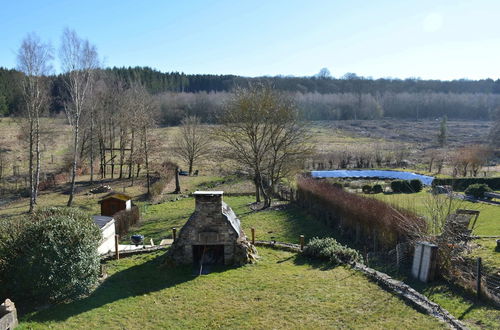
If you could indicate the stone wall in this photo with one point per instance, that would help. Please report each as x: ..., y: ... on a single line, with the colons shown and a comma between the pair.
x: 8, y: 315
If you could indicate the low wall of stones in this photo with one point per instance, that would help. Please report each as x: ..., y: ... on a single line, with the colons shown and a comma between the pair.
x: 411, y: 296
x: 8, y: 315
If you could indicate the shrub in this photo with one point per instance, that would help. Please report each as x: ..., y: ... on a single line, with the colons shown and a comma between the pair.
x: 477, y: 190
x: 366, y: 189
x: 51, y: 257
x: 460, y: 184
x: 328, y: 249
x: 397, y: 186
x: 377, y: 189
x: 416, y: 185
x: 404, y: 186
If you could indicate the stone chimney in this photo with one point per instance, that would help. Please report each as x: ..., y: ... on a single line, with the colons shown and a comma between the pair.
x: 208, y: 203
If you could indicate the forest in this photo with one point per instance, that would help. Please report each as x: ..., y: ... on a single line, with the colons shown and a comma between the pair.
x: 318, y: 97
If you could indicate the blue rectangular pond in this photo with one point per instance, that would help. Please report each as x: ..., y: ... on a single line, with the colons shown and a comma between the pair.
x: 380, y: 174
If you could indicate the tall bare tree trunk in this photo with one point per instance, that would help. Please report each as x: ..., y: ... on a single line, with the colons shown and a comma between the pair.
x: 31, y: 156
x: 177, y: 182
x: 73, y: 167
x: 257, y: 189
x: 146, y: 159
x: 92, y: 147
x: 38, y: 160
x: 75, y: 159
x: 131, y: 164
x: 122, y: 151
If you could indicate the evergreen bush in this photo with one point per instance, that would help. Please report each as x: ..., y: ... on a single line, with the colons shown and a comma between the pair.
x: 328, y: 249
x: 367, y: 189
x: 405, y: 186
x: 377, y: 189
x: 477, y: 190
x: 50, y: 257
x: 416, y: 185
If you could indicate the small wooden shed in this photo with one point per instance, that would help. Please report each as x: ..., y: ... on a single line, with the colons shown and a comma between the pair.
x: 115, y: 202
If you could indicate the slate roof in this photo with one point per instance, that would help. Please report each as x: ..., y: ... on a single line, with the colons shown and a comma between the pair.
x: 231, y: 217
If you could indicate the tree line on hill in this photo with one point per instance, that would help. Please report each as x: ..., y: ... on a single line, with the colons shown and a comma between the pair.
x: 318, y: 97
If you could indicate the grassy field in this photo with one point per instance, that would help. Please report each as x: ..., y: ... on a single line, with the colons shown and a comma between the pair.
x: 282, y: 223
x: 286, y: 224
x: 167, y: 298
x: 140, y: 293
x: 488, y: 223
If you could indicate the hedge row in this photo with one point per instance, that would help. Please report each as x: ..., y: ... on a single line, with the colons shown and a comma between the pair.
x: 365, y: 219
x: 406, y: 186
x: 460, y: 184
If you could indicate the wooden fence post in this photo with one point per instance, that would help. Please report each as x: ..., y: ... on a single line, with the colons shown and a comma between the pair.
x: 253, y: 235
x: 478, y: 282
x: 117, y: 247
x: 301, y: 242
x: 174, y: 233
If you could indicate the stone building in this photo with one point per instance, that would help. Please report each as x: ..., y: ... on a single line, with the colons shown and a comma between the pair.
x: 212, y: 235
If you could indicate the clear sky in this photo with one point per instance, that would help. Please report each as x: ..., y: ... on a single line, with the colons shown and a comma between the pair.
x: 430, y: 39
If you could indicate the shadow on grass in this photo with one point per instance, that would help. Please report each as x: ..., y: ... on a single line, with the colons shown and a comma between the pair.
x: 147, y: 277
x: 301, y: 260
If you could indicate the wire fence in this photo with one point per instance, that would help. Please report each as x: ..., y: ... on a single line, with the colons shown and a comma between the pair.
x: 469, y: 274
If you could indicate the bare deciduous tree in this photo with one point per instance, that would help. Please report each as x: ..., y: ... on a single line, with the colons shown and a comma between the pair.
x: 79, y: 60
x: 146, y: 110
x: 262, y: 132
x: 33, y: 59
x: 193, y: 142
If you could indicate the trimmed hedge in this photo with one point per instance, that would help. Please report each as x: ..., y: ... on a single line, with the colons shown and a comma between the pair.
x: 416, y: 185
x: 477, y: 190
x: 460, y: 184
x: 377, y: 189
x: 406, y: 186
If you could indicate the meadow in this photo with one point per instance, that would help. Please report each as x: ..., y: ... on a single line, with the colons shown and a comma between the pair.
x: 298, y: 294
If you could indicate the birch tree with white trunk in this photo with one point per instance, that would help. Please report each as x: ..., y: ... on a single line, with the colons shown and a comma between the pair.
x: 33, y: 60
x: 79, y: 61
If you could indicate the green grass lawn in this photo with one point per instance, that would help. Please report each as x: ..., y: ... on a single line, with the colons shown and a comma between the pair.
x: 286, y: 224
x: 488, y: 223
x: 486, y: 250
x: 280, y: 291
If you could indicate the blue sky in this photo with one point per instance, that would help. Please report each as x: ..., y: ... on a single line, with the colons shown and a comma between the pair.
x: 426, y: 39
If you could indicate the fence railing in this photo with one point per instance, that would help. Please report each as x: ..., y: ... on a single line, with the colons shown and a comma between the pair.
x: 472, y: 276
